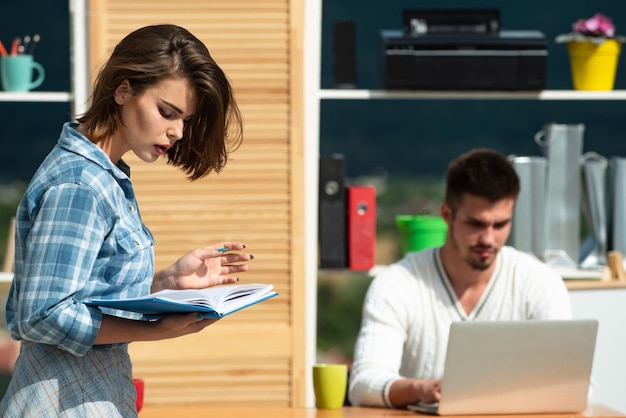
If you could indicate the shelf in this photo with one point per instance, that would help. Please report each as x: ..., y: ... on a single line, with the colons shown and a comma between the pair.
x: 36, y: 96
x: 575, y: 279
x: 5, y: 282
x: 360, y: 94
x: 595, y: 284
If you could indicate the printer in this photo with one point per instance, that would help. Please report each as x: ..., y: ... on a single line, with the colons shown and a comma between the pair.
x: 485, y: 58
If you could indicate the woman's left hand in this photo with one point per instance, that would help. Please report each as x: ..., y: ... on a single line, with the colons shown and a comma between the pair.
x: 204, y: 267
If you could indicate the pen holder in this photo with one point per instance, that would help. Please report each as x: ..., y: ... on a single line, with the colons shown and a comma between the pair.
x: 16, y: 73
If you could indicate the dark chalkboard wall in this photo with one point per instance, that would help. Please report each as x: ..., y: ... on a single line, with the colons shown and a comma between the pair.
x: 29, y: 130
x: 418, y: 137
x: 403, y: 137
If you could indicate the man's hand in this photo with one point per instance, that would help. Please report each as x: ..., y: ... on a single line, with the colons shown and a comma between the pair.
x: 411, y: 391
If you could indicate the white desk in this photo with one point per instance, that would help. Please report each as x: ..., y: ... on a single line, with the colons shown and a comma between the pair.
x: 609, y: 365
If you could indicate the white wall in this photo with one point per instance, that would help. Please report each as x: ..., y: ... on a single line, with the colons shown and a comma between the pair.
x: 608, y: 306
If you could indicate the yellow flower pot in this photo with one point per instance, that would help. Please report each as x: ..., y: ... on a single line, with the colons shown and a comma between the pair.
x: 594, y: 66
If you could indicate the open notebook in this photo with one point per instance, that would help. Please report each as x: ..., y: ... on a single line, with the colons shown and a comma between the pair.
x: 516, y: 367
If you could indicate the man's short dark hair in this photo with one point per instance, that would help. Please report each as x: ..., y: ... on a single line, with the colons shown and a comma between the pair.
x: 481, y: 172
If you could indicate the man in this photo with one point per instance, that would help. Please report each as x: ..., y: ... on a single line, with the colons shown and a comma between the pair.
x: 408, y: 309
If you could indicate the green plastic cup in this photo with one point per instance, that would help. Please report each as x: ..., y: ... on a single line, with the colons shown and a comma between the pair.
x: 418, y: 232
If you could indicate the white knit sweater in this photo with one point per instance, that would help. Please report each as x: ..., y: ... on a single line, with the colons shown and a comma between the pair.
x: 409, y: 307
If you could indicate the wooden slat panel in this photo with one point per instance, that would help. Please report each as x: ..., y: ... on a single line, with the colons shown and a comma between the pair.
x: 273, y: 341
x: 196, y: 368
x: 212, y: 7
x: 250, y: 356
x: 299, y: 177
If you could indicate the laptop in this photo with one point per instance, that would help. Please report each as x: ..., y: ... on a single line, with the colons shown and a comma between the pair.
x: 516, y: 367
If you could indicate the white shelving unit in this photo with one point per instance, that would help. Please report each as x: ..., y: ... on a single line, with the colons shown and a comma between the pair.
x: 79, y: 82
x: 36, y: 96
x: 5, y: 283
x: 360, y: 94
x: 609, y: 365
x: 603, y: 303
x: 79, y: 67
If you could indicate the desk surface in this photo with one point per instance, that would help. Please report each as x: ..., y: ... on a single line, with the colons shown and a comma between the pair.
x: 155, y: 411
x: 572, y: 284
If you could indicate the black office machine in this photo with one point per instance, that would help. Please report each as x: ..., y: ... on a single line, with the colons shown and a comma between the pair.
x: 461, y: 50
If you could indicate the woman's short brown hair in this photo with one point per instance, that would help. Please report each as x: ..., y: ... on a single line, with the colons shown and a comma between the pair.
x: 154, y: 53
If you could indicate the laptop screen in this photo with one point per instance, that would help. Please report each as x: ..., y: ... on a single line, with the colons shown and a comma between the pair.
x: 513, y: 367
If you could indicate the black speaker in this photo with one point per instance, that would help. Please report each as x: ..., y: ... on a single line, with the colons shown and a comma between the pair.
x: 344, y: 54
x: 333, y: 247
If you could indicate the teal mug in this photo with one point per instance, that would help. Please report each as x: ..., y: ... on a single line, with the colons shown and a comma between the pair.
x: 16, y: 73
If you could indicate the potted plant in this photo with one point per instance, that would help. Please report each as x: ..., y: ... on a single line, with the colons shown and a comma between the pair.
x: 593, y: 49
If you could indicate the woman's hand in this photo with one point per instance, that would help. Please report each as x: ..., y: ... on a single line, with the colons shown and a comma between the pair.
x: 177, y: 325
x: 118, y: 330
x: 204, y: 267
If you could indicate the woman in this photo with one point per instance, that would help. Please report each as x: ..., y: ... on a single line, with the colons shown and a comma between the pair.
x: 79, y: 233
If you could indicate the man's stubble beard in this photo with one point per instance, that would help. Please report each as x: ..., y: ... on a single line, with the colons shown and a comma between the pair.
x: 476, y: 264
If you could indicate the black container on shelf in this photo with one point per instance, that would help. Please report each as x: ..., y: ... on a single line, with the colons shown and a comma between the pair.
x: 507, y: 60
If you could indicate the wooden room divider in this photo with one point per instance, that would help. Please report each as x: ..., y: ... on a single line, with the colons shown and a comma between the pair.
x: 256, y: 356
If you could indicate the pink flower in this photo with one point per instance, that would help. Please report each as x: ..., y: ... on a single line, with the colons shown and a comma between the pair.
x: 598, y: 25
x: 596, y: 29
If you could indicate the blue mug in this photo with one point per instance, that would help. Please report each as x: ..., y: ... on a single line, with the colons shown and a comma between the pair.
x: 16, y: 73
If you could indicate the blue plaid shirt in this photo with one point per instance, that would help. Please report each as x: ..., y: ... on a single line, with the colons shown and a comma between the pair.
x: 79, y: 235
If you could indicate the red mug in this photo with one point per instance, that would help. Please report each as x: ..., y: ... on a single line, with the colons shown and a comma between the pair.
x: 139, y: 390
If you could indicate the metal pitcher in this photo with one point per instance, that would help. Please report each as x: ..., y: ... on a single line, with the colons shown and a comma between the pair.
x: 594, y: 247
x: 562, y: 145
x: 617, y: 205
x: 528, y: 227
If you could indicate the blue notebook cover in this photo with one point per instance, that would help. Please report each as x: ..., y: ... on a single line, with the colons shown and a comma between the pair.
x: 213, y: 302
